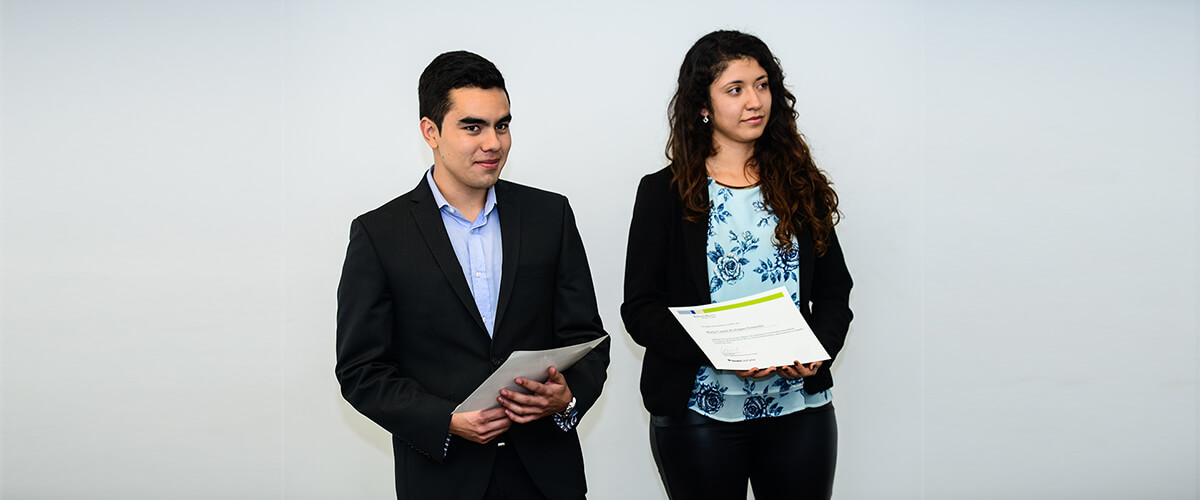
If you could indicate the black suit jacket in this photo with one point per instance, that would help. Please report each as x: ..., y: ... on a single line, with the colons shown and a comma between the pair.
x: 666, y: 265
x: 411, y: 344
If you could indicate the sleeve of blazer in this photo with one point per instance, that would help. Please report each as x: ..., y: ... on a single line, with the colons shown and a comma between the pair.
x: 831, y: 298
x: 576, y: 318
x: 647, y: 258
x: 370, y: 380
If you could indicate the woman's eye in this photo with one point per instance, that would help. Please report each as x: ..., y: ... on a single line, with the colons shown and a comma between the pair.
x: 735, y: 90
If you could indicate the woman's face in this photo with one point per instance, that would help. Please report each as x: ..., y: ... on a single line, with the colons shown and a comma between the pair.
x: 741, y: 102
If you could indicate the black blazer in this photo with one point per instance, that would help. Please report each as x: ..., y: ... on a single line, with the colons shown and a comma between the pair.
x: 411, y: 344
x: 665, y: 265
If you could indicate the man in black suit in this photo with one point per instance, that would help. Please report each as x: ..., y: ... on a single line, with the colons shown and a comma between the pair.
x: 441, y: 284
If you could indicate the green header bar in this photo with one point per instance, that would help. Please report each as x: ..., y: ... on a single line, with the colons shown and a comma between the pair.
x: 759, y: 300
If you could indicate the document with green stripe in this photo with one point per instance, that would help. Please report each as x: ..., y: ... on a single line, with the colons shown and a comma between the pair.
x: 757, y: 331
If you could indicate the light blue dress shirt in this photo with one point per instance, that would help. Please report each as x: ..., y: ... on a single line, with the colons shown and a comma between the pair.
x: 477, y: 246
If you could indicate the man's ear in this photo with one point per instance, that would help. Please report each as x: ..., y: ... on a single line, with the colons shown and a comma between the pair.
x: 429, y: 131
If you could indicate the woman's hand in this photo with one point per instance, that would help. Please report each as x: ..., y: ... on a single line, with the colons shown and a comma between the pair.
x: 797, y: 370
x: 755, y: 372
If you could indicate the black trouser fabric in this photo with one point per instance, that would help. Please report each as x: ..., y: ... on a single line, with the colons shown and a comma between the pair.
x: 789, y: 457
x: 510, y: 480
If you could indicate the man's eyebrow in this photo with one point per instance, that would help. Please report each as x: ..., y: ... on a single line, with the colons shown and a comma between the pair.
x: 472, y: 120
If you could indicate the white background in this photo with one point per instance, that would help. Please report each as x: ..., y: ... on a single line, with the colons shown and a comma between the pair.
x: 1019, y: 182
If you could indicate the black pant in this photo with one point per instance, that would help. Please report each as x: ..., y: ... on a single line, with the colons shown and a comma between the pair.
x: 792, y: 456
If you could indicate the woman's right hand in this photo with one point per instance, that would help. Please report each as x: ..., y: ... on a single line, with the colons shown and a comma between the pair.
x: 756, y: 373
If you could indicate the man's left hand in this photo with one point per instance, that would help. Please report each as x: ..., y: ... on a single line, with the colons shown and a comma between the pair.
x: 544, y: 399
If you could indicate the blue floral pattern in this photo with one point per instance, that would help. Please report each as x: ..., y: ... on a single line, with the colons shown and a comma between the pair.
x: 781, y: 267
x: 717, y: 213
x: 761, y: 406
x: 729, y: 262
x: 786, y: 385
x: 765, y: 217
x: 707, y: 396
x: 739, y: 222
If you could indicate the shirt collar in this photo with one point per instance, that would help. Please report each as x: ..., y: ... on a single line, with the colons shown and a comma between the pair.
x: 488, y: 204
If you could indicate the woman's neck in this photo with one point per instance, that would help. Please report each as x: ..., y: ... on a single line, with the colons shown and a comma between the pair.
x: 729, y: 165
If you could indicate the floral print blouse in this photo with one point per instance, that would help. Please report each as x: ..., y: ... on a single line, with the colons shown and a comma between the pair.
x: 743, y: 261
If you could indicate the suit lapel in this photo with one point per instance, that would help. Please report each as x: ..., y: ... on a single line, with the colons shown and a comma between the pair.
x: 510, y: 243
x: 429, y: 220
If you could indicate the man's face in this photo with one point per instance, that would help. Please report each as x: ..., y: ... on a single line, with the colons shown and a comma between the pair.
x: 472, y: 145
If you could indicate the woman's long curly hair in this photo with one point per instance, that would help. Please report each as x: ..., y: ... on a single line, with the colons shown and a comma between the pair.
x: 795, y: 190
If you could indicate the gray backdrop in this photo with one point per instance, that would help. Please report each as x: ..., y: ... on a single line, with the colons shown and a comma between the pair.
x: 1019, y: 182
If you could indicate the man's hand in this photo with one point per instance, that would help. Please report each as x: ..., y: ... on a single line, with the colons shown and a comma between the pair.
x: 544, y: 399
x: 480, y: 426
x: 797, y: 370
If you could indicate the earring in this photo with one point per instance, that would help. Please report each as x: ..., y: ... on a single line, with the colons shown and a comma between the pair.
x: 705, y: 119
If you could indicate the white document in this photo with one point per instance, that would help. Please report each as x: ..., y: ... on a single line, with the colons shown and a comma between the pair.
x: 758, y: 331
x: 530, y: 365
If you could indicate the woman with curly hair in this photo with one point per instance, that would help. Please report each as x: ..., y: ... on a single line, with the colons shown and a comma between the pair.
x: 741, y: 209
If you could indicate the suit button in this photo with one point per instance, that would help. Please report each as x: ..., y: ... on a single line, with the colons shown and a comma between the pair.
x: 496, y: 362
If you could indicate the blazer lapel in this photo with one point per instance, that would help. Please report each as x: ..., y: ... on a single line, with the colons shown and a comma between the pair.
x: 510, y: 243
x: 429, y: 220
x: 695, y: 252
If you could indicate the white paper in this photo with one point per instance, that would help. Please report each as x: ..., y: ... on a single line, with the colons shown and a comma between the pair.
x: 758, y: 331
x: 530, y: 365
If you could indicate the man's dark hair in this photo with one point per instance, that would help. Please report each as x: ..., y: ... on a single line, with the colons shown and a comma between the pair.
x: 454, y: 70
